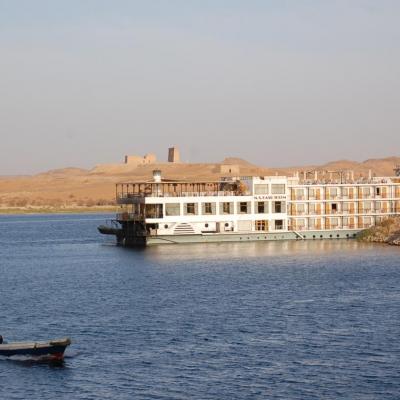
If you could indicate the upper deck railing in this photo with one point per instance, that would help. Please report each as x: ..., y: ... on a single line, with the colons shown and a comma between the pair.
x: 350, y: 183
x: 128, y: 192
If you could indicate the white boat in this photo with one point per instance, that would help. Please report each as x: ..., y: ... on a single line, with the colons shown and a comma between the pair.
x: 252, y: 208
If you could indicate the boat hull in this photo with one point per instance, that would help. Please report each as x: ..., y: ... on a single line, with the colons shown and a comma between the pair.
x: 132, y: 234
x: 107, y: 230
x: 52, y: 350
x: 252, y: 236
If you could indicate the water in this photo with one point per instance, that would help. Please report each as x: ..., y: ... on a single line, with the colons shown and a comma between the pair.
x: 285, y: 320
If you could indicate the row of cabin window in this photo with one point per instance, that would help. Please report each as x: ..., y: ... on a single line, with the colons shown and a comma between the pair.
x: 276, y: 188
x: 261, y: 207
x: 366, y: 191
x: 345, y: 206
x: 313, y: 222
x: 263, y: 225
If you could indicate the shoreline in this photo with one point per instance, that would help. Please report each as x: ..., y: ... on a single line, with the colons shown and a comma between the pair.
x: 386, y: 232
x: 56, y: 210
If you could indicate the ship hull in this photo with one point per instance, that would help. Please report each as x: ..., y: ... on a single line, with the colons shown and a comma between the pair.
x: 251, y: 237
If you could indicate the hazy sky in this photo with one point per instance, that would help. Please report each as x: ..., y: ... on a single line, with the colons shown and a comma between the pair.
x: 277, y: 82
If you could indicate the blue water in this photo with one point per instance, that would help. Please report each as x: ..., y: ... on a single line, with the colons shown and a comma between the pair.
x: 285, y: 320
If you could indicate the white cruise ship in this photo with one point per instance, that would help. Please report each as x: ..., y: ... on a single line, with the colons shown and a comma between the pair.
x: 251, y: 208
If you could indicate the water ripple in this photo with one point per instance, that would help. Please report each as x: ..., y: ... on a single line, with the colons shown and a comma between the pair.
x: 301, y: 320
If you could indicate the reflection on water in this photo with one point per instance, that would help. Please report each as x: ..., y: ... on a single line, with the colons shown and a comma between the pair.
x: 285, y: 248
x: 31, y: 361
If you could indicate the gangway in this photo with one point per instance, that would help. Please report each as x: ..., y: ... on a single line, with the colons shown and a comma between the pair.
x: 299, y: 235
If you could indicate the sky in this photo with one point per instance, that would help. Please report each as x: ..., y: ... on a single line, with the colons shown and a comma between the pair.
x: 276, y: 82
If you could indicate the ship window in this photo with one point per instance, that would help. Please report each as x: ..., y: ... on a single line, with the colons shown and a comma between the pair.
x: 378, y: 191
x: 243, y: 207
x: 154, y: 211
x: 366, y: 191
x: 299, y: 194
x: 278, y: 189
x: 208, y: 208
x: 301, y: 223
x: 190, y: 209
x: 260, y: 189
x: 367, y: 205
x: 206, y: 225
x: 261, y: 207
x: 334, y: 207
x: 166, y: 226
x: 278, y: 224
x: 172, y: 209
x: 261, y: 225
x: 226, y: 224
x: 300, y: 207
x: 334, y: 222
x: 277, y: 206
x: 226, y: 208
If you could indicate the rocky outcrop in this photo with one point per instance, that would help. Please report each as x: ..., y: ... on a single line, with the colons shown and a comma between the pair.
x: 387, y: 231
x: 395, y: 239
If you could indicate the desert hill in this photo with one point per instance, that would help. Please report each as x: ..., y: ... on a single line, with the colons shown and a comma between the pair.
x: 77, y: 187
x: 237, y: 161
x: 378, y: 167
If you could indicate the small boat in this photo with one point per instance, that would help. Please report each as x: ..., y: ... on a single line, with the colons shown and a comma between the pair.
x: 52, y: 350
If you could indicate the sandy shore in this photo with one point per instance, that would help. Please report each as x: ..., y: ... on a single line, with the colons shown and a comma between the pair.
x: 56, y: 210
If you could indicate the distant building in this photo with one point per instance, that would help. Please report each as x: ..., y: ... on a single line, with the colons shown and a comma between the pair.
x: 173, y: 155
x: 229, y: 169
x: 138, y: 160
